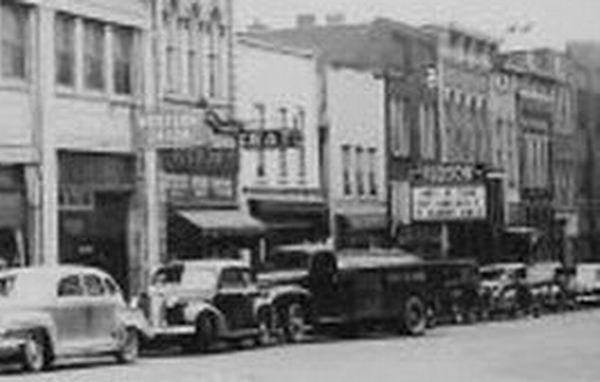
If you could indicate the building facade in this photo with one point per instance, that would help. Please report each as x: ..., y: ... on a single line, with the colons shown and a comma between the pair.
x: 188, y: 138
x: 538, y: 87
x: 277, y: 100
x: 71, y: 82
x: 466, y: 62
x: 587, y: 58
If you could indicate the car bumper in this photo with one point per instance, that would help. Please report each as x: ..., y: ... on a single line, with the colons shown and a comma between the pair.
x: 159, y: 333
x: 10, y: 347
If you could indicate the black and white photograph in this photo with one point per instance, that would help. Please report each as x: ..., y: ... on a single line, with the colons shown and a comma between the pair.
x: 299, y: 190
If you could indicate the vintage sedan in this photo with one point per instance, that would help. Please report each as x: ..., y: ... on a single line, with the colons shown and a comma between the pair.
x: 52, y: 312
x: 199, y: 302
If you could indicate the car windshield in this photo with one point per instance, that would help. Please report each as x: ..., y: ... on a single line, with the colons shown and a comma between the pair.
x: 492, y: 274
x: 287, y: 260
x: 7, y: 286
x: 189, y: 277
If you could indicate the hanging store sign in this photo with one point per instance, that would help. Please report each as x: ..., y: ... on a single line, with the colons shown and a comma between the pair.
x: 205, y: 160
x: 448, y: 203
x: 176, y: 128
x: 271, y: 139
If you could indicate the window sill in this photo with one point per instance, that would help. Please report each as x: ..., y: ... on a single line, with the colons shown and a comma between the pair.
x: 15, y: 85
x: 118, y: 99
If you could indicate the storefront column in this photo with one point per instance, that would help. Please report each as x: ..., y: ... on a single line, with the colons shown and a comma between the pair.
x: 153, y: 210
x: 49, y: 156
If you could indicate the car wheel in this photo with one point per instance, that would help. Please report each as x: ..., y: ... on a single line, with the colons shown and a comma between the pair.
x: 206, y: 334
x: 35, y: 352
x: 295, y: 323
x: 414, y: 321
x: 264, y: 336
x: 130, y: 348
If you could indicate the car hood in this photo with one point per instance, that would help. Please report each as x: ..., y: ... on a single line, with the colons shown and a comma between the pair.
x: 177, y: 291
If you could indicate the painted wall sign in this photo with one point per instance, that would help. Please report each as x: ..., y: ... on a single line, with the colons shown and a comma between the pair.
x: 449, y: 203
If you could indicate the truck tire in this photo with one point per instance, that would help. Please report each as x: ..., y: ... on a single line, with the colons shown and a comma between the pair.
x: 205, y: 335
x: 414, y: 320
x: 295, y: 322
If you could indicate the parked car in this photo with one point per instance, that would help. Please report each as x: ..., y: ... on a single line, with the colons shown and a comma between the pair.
x: 454, y: 286
x: 504, y: 290
x: 550, y: 287
x: 201, y: 302
x: 53, y: 312
x: 587, y: 283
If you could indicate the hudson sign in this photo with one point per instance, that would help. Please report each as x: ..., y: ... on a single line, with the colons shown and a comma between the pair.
x: 448, y: 192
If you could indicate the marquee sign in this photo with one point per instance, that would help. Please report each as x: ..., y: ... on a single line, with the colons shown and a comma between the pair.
x: 445, y: 173
x: 449, y: 203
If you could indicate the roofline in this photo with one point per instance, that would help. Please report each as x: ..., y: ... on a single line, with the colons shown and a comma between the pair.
x: 456, y: 27
x: 255, y: 41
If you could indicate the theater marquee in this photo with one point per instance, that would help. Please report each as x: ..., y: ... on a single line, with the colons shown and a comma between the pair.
x: 448, y: 203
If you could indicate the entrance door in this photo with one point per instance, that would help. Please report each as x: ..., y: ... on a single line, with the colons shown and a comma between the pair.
x: 110, y: 236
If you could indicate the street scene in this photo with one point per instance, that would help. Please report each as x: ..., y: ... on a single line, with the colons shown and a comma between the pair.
x: 253, y: 190
x: 552, y: 349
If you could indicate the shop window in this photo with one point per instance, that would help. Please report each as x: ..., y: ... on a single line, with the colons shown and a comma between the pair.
x: 346, y: 163
x: 15, y: 24
x: 64, y: 42
x: 123, y: 49
x: 93, y: 55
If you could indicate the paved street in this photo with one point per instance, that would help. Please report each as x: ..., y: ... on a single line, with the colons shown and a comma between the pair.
x: 554, y: 348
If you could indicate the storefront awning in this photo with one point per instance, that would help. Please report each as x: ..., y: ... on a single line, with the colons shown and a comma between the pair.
x: 365, y: 222
x: 223, y: 222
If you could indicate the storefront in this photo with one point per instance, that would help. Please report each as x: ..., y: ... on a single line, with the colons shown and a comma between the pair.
x: 289, y: 216
x: 13, y: 251
x: 95, y: 192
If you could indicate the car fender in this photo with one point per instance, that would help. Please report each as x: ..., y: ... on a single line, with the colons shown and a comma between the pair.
x: 135, y: 318
x: 282, y: 294
x: 16, y: 323
x: 194, y: 309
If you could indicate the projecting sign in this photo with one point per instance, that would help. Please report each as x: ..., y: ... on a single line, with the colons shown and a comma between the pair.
x: 448, y: 203
x: 175, y: 128
x: 271, y: 139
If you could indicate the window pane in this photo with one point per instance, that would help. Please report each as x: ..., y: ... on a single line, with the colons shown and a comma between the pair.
x: 14, y: 41
x: 94, y: 55
x: 65, y: 49
x: 70, y: 286
x: 93, y: 285
x: 123, y: 60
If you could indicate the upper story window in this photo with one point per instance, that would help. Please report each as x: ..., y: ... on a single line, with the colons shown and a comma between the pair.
x: 359, y: 167
x: 64, y: 43
x: 346, y: 163
x: 123, y: 48
x: 93, y: 59
x: 15, y: 23
x: 373, y: 172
